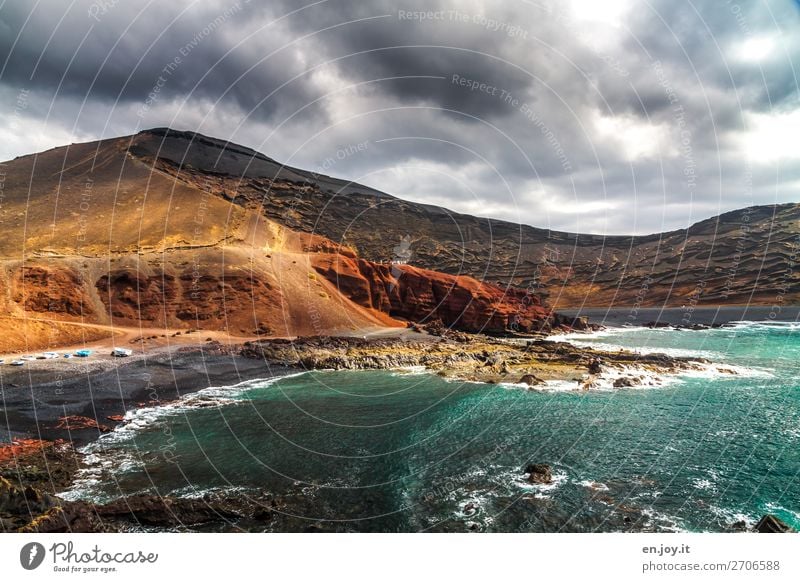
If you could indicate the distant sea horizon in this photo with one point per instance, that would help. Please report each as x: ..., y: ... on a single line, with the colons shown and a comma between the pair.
x: 684, y: 316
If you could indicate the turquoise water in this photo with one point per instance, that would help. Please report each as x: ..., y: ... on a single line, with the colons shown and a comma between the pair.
x: 383, y: 451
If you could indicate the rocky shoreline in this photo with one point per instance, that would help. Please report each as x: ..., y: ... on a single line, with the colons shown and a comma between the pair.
x: 34, y: 471
x: 534, y: 362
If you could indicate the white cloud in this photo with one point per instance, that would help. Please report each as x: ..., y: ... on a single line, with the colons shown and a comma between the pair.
x: 609, y: 12
x: 755, y: 49
x: 771, y: 137
x: 636, y: 138
x: 22, y: 134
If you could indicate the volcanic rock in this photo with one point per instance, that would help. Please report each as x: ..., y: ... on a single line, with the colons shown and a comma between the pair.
x: 772, y: 524
x: 539, y: 473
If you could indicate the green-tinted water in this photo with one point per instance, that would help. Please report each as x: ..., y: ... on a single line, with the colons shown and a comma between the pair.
x: 392, y: 451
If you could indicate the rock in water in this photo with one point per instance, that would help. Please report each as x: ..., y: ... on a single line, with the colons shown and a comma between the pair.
x: 771, y: 524
x: 580, y: 323
x: 625, y: 381
x: 539, y: 473
x: 531, y: 380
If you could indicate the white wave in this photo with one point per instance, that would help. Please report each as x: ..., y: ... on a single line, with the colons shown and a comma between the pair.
x: 600, y: 333
x: 766, y: 324
x: 97, y: 467
x: 543, y: 490
x: 646, y: 350
x: 212, y: 397
x: 103, y: 457
x: 703, y: 484
x: 641, y: 378
x: 779, y: 509
x: 717, y: 371
x: 593, y: 485
x: 410, y: 371
x: 192, y: 492
x: 730, y: 516
x: 546, y: 386
x: 663, y: 521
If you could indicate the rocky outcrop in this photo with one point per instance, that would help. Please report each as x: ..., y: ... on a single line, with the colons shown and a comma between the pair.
x: 75, y: 422
x: 129, y: 294
x: 29, y: 510
x: 539, y: 473
x: 530, y: 380
x: 52, y: 291
x: 423, y: 296
x: 482, y: 359
x: 46, y: 465
x: 32, y: 472
x: 772, y: 524
x: 18, y: 505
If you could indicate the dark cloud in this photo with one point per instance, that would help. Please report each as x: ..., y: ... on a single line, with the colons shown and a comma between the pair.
x: 124, y: 53
x: 534, y: 112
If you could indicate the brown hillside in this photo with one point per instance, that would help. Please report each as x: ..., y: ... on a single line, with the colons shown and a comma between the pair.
x: 101, y: 233
x: 740, y: 257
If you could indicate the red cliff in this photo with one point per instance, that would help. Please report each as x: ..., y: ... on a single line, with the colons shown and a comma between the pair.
x: 421, y: 295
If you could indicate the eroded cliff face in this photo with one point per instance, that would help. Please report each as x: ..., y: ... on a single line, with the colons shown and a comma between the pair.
x: 281, y: 294
x: 199, y: 299
x: 41, y: 289
x: 425, y: 296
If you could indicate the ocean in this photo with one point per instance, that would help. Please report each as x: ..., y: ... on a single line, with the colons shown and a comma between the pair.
x: 409, y: 451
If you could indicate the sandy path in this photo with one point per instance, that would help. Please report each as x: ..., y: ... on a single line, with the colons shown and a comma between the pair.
x: 158, y: 340
x: 126, y: 337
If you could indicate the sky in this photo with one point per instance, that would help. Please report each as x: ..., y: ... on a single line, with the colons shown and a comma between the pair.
x: 608, y: 117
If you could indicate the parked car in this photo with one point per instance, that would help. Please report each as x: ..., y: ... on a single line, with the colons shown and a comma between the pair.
x: 48, y: 356
x: 18, y: 363
x: 83, y: 353
x: 121, y: 352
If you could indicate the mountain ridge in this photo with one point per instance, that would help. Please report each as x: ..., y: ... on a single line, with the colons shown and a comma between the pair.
x: 569, y: 269
x: 123, y: 233
x: 176, y: 229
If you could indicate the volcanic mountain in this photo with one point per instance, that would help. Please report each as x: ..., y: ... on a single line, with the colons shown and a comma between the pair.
x: 740, y: 257
x: 170, y: 229
x: 148, y: 231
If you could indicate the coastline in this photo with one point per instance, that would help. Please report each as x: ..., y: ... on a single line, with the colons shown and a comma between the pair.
x: 37, y: 399
x: 160, y: 378
x: 55, y: 409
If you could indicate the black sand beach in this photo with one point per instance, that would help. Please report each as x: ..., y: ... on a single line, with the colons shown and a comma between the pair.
x: 37, y: 396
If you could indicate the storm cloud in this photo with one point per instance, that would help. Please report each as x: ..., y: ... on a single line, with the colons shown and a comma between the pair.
x: 613, y: 117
